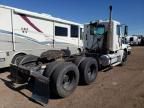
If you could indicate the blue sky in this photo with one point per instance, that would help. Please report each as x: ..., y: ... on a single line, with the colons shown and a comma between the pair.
x: 130, y: 12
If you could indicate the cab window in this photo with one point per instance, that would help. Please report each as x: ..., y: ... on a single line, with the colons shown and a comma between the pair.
x: 118, y: 30
x: 97, y: 30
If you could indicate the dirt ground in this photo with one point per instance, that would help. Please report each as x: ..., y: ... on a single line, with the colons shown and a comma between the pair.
x: 120, y: 87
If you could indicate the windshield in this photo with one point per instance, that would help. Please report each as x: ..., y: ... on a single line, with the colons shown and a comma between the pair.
x: 97, y: 30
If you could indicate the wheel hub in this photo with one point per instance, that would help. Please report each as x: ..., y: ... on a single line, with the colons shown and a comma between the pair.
x: 68, y: 80
x: 91, y: 71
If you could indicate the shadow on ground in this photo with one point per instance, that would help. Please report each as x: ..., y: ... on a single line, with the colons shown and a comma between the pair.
x: 4, y: 70
x: 29, y: 87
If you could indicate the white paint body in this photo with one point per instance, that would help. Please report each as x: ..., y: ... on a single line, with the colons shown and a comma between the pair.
x: 27, y: 32
x: 115, y: 47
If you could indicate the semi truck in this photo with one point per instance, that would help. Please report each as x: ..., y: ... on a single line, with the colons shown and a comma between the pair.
x: 24, y: 32
x: 59, y: 72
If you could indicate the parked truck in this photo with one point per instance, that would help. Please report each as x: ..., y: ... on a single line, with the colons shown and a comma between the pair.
x: 59, y: 72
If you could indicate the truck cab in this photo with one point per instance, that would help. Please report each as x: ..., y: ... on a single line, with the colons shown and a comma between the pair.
x: 97, y: 36
x: 105, y: 39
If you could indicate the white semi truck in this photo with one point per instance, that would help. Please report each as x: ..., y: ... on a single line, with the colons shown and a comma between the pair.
x: 59, y: 72
x: 23, y: 32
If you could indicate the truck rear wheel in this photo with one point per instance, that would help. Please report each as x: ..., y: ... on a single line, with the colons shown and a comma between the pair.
x: 64, y: 79
x: 88, y: 71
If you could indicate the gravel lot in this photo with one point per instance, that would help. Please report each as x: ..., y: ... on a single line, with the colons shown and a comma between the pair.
x: 120, y: 87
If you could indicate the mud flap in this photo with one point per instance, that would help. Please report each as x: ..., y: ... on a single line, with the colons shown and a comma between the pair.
x: 40, y: 92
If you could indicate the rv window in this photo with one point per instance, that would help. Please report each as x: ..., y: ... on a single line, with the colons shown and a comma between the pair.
x: 118, y: 30
x: 81, y: 34
x: 131, y: 39
x: 74, y: 31
x: 61, y: 31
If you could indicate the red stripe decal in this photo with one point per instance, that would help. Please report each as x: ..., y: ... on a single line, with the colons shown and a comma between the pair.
x: 30, y: 23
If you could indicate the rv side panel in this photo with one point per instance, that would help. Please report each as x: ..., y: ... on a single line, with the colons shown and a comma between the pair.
x: 5, y: 30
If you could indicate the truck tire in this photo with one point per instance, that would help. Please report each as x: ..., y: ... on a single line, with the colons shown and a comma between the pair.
x: 88, y: 71
x: 64, y: 79
x: 124, y: 58
x: 51, y: 67
x: 129, y: 53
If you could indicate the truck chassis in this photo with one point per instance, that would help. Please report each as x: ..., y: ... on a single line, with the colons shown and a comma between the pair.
x: 57, y: 71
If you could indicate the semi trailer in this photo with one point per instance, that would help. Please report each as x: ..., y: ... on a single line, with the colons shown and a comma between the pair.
x: 24, y: 32
x: 59, y: 72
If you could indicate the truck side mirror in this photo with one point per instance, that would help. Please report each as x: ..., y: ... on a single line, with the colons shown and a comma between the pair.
x: 126, y: 30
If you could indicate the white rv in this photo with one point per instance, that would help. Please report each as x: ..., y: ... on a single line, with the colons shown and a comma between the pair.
x: 24, y: 32
x: 133, y: 40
